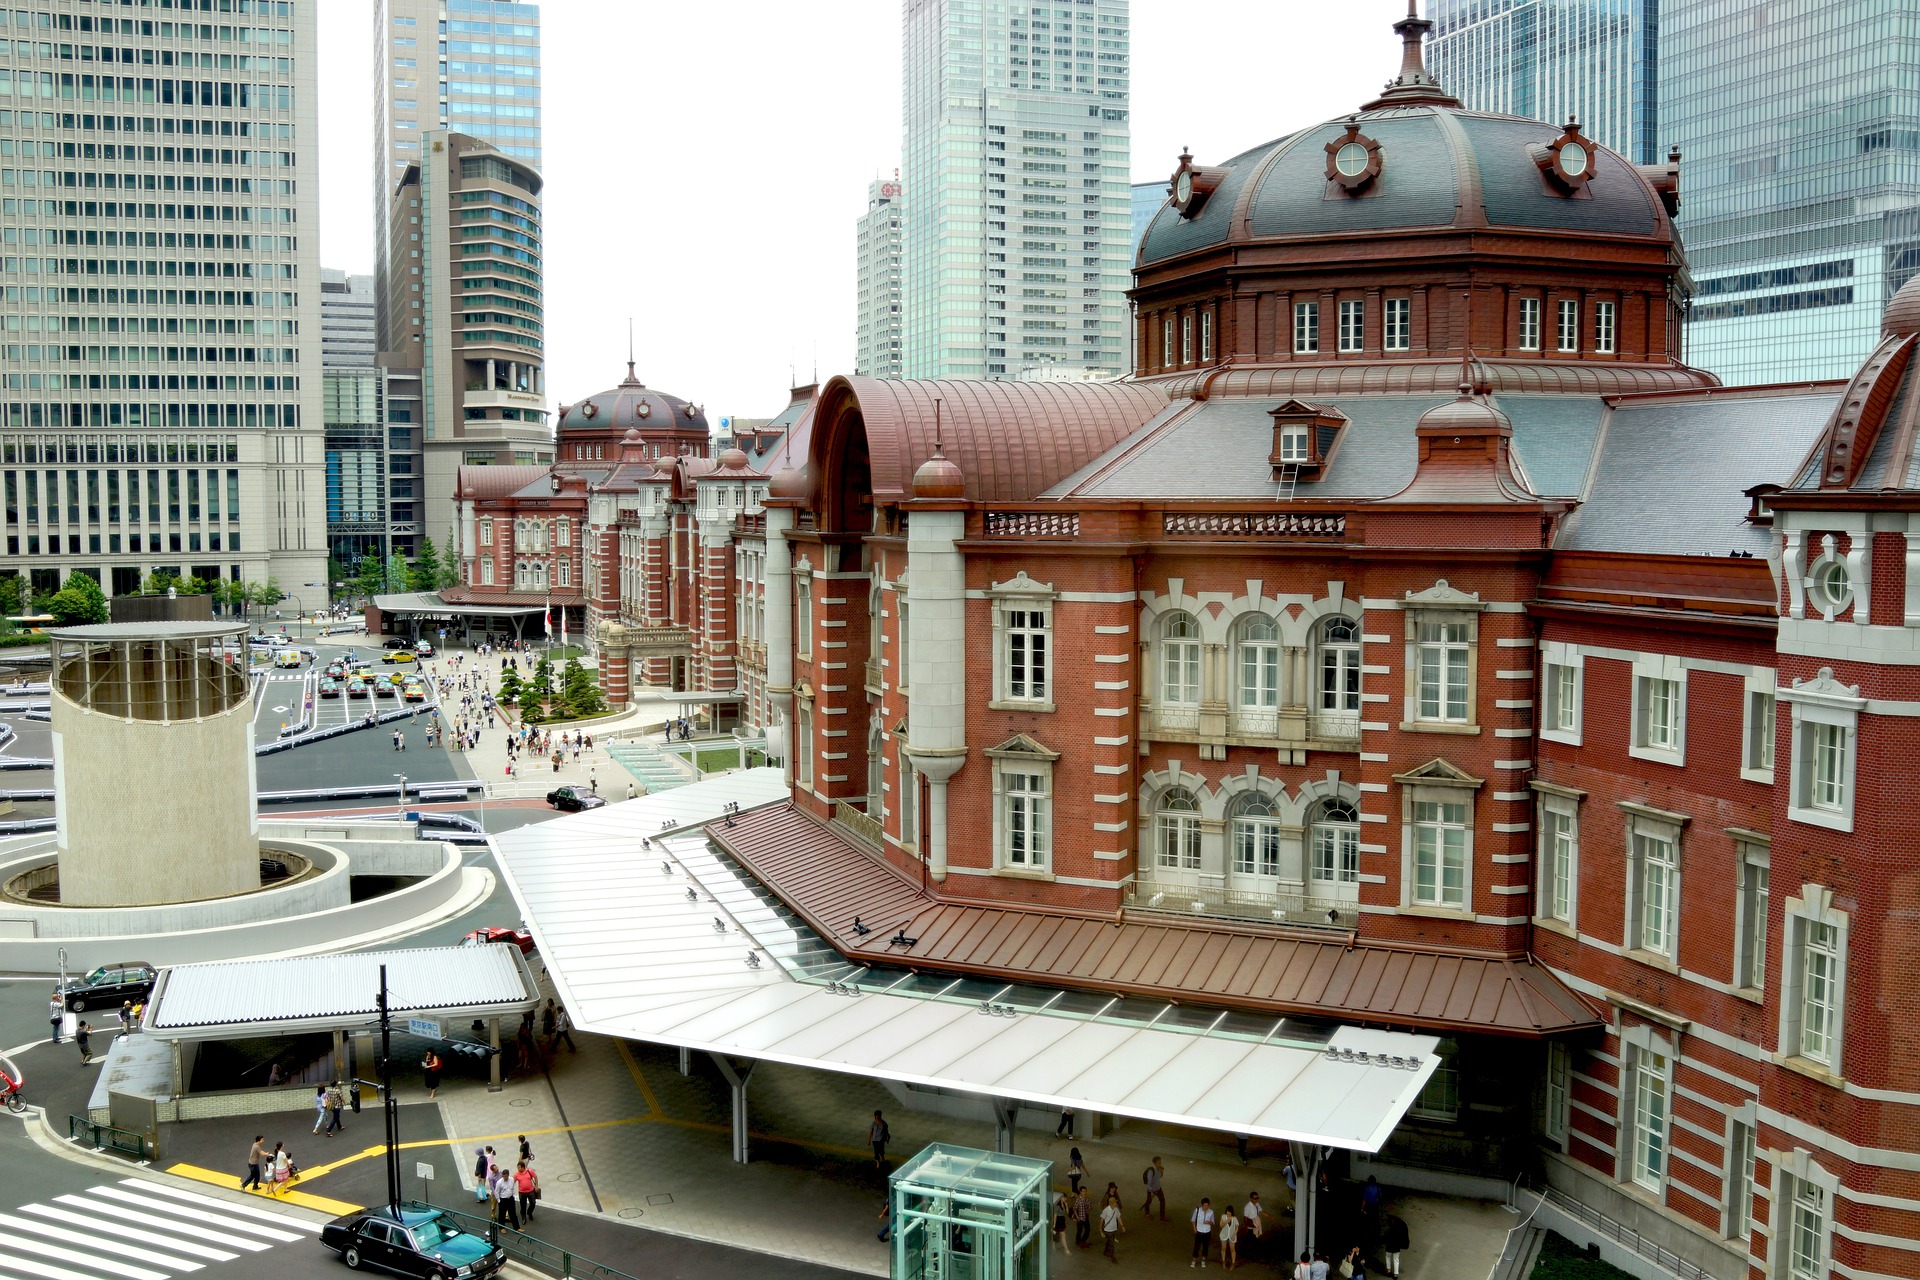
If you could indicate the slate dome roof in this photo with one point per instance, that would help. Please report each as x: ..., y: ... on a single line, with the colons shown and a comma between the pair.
x: 633, y: 404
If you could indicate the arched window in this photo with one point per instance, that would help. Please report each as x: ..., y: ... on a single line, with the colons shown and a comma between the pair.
x: 1180, y: 660
x: 1256, y: 836
x: 1334, y: 843
x: 876, y: 773
x: 1259, y: 663
x: 1338, y: 701
x: 520, y: 575
x: 1177, y: 826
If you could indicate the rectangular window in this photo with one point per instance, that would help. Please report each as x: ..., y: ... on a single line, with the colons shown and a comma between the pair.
x: 1296, y: 444
x: 1649, y: 1119
x: 1399, y: 324
x: 1750, y: 961
x: 1440, y: 1099
x: 1206, y: 335
x: 1352, y: 324
x: 1603, y: 339
x: 1656, y: 885
x: 1440, y: 855
x: 1027, y: 821
x: 1027, y: 633
x: 1806, y: 1244
x: 1758, y: 755
x: 1559, y: 858
x: 1819, y: 982
x: 1660, y: 712
x: 1529, y: 324
x: 1569, y: 325
x: 1166, y: 341
x: 486, y: 533
x: 1562, y: 696
x: 803, y: 617
x: 1186, y: 338
x: 803, y: 746
x: 1553, y: 1122
x: 1740, y: 1159
x: 1443, y: 671
x: 1306, y: 328
x: 1828, y: 788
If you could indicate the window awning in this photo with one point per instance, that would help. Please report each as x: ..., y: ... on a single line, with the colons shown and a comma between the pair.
x: 650, y: 931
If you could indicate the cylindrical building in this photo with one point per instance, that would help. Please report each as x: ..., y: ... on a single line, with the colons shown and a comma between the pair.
x: 153, y: 763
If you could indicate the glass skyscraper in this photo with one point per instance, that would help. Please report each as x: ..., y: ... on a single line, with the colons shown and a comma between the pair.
x: 1549, y: 59
x: 1017, y: 227
x: 1799, y: 129
x: 876, y: 347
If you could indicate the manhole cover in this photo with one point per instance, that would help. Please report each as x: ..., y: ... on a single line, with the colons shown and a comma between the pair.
x: 659, y: 1199
x: 632, y: 1213
x: 520, y: 1102
x: 568, y: 1177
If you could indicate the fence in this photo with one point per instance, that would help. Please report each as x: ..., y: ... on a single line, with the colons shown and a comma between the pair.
x: 105, y: 1137
x: 1624, y: 1236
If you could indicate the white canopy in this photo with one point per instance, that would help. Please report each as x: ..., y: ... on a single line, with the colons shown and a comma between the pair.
x: 606, y: 893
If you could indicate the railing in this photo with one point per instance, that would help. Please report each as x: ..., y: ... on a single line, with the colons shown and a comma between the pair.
x: 857, y: 822
x: 1211, y: 897
x: 531, y: 1250
x: 1338, y: 725
x: 1252, y: 524
x: 873, y: 675
x: 1625, y: 1236
x: 1177, y: 719
x: 1032, y: 524
x: 105, y: 1137
x: 1256, y: 722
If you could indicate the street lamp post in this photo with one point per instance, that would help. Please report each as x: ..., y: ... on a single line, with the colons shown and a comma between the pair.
x: 403, y: 793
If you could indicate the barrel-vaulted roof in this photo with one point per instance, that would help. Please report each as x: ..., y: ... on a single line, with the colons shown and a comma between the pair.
x: 1011, y: 440
x: 496, y: 481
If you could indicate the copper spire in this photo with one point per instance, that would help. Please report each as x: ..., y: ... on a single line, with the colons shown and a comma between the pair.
x: 1415, y: 85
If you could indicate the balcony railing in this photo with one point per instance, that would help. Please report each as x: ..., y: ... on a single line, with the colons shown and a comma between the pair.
x: 1341, y: 726
x: 1214, y: 895
x: 1032, y: 524
x: 1177, y: 719
x: 857, y: 824
x: 873, y: 676
x: 1256, y: 722
x: 1252, y: 524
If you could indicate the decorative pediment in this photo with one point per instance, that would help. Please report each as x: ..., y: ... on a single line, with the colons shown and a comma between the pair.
x: 1021, y: 747
x: 1021, y: 585
x: 1439, y: 773
x: 1443, y: 595
x: 1825, y: 688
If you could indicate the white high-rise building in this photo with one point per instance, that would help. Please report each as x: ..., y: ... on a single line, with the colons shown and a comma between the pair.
x: 876, y: 351
x: 1017, y: 230
x: 160, y: 292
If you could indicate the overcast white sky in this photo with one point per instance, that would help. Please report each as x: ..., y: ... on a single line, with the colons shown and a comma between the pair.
x: 705, y: 164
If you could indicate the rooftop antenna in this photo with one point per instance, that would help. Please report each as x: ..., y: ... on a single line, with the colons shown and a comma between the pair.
x: 632, y: 377
x: 939, y: 445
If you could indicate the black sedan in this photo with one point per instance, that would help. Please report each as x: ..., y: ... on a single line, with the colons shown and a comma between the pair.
x: 418, y: 1241
x: 573, y: 799
x: 110, y: 986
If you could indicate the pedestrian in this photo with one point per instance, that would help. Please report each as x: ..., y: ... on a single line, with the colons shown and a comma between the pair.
x: 1154, y: 1176
x: 878, y: 1136
x: 1370, y: 1199
x: 255, y: 1156
x: 505, y: 1209
x: 482, y: 1175
x: 886, y: 1220
x: 431, y: 1067
x: 1065, y: 1128
x: 1060, y: 1220
x: 547, y: 1022
x: 1082, y: 1219
x: 1076, y: 1168
x: 1303, y: 1269
x: 629, y: 791
x: 1229, y: 1238
x: 1202, y: 1233
x: 1393, y: 1241
x: 526, y: 1150
x: 1354, y: 1265
x: 1254, y: 1219
x: 126, y: 1016
x: 336, y: 1102
x: 319, y: 1108
x: 56, y: 1011
x: 1320, y: 1269
x: 83, y: 1036
x: 1111, y: 1225
x: 563, y: 1030
x: 526, y: 1184
x: 284, y: 1169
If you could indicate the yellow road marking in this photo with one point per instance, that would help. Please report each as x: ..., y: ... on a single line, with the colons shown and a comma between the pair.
x: 305, y: 1200
x: 479, y: 1140
x: 639, y: 1080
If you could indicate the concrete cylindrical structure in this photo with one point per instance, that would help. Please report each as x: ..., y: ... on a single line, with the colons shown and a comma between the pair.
x: 153, y: 765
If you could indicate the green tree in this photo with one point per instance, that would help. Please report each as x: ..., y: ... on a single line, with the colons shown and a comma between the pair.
x: 509, y: 687
x: 581, y: 691
x: 13, y: 595
x: 270, y: 592
x: 530, y: 710
x: 424, y: 575
x: 191, y: 586
x: 75, y: 605
x: 397, y: 577
x: 156, y: 584
x: 370, y: 578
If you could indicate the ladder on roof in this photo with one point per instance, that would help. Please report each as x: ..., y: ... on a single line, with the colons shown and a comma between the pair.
x: 1289, y: 475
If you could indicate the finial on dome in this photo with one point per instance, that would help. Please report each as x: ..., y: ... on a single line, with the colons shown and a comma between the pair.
x: 1415, y: 85
x: 938, y: 478
x: 632, y: 379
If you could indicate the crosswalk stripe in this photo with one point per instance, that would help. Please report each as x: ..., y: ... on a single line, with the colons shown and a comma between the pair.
x: 131, y: 1233
x: 220, y: 1220
x: 165, y: 1224
x: 106, y: 1245
x: 45, y: 1270
x: 112, y: 1268
x: 211, y: 1202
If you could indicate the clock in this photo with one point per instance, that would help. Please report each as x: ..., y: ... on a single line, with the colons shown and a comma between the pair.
x: 1567, y: 161
x: 1354, y: 161
x: 589, y: 409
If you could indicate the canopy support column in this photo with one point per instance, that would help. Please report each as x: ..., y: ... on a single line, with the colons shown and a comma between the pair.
x: 1006, y: 1118
x: 686, y: 1061
x: 493, y: 1059
x: 737, y: 1074
x: 1306, y: 1194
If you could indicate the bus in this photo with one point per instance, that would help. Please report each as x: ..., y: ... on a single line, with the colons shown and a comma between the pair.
x: 34, y: 622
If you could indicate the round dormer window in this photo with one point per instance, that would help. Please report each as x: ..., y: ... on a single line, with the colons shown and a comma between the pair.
x: 1573, y: 159
x: 1350, y: 159
x: 589, y: 409
x: 1832, y: 584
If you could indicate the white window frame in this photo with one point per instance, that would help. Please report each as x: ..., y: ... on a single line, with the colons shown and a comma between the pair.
x: 1562, y: 690
x: 1353, y: 324
x: 1206, y: 335
x: 1655, y: 852
x: 1557, y: 1097
x: 1803, y: 921
x: 1258, y: 663
x: 1306, y: 328
x: 486, y: 533
x: 908, y: 803
x: 1646, y: 1111
x: 1397, y: 324
x: 1186, y: 337
x: 486, y: 573
x: 1757, y: 720
x: 1643, y: 743
x: 803, y: 612
x: 1751, y: 893
x: 1171, y: 689
x: 1443, y: 652
x: 1178, y: 845
x: 1254, y: 836
x: 803, y: 745
x: 1429, y: 786
x: 1024, y: 616
x: 1334, y: 844
x: 1737, y: 1178
x: 1802, y: 1203
x: 1567, y: 325
x: 1529, y: 324
x: 1338, y: 670
x: 1023, y: 782
x: 1166, y: 342
x: 1822, y: 710
x: 1296, y: 444
x: 1605, y: 330
x: 1558, y: 860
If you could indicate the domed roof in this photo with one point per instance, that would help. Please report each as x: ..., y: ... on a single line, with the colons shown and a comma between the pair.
x: 1468, y: 415
x: 790, y: 483
x: 939, y: 478
x: 632, y: 404
x: 1902, y: 316
x: 730, y: 459
x: 1439, y: 166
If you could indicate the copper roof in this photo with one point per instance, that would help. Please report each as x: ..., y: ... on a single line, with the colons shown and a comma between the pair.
x: 1414, y: 376
x: 501, y: 481
x: 829, y: 881
x: 1012, y: 440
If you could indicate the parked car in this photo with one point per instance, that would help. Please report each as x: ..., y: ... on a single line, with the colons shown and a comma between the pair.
x: 357, y: 688
x: 398, y: 655
x: 414, y: 691
x: 396, y: 642
x: 424, y: 649
x: 384, y: 689
x: 500, y: 933
x: 110, y: 986
x: 416, y: 1241
x: 260, y: 641
x: 336, y: 669
x: 573, y: 799
x: 329, y: 688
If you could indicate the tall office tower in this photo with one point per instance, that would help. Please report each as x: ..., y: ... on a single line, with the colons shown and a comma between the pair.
x: 1596, y: 60
x: 876, y: 351
x: 1017, y: 228
x: 461, y: 327
x: 354, y: 416
x: 162, y: 342
x: 1797, y: 176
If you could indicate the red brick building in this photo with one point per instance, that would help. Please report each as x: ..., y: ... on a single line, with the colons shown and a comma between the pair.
x: 1412, y: 640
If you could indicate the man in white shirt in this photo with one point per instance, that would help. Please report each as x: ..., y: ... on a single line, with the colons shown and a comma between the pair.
x: 1253, y: 1225
x: 1202, y: 1233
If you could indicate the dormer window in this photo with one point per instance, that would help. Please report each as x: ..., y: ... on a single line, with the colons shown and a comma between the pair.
x: 1296, y: 444
x: 1759, y: 510
x: 1305, y: 436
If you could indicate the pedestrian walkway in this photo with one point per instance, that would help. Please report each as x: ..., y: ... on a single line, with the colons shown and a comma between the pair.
x: 142, y: 1229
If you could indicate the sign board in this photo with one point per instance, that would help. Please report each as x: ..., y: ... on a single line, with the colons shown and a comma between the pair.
x: 426, y: 1028
x: 423, y: 1171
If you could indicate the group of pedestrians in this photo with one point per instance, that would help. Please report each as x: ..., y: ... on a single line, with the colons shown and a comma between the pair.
x: 514, y: 1191
x: 269, y: 1171
x: 329, y: 1100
